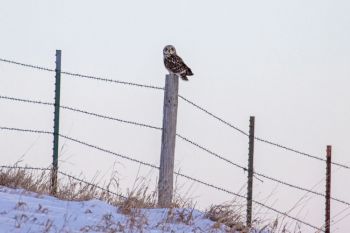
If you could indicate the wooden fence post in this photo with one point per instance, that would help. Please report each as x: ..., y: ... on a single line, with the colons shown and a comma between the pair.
x: 56, y: 123
x: 250, y: 170
x: 328, y: 190
x: 166, y: 171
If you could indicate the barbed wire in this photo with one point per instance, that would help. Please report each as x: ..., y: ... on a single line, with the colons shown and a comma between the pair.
x: 26, y: 100
x: 210, y: 152
x: 27, y: 65
x: 300, y: 188
x: 108, y: 151
x: 213, y: 115
x: 111, y: 118
x: 299, y: 152
x: 91, y: 184
x: 26, y: 130
x: 82, y: 75
x: 81, y: 111
x: 111, y: 80
x: 25, y: 167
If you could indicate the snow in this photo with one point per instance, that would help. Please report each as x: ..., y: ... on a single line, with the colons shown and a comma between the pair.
x: 23, y: 211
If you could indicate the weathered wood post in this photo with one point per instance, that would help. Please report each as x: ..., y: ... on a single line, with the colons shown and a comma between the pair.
x: 56, y: 124
x: 166, y: 171
x: 328, y: 190
x: 250, y: 170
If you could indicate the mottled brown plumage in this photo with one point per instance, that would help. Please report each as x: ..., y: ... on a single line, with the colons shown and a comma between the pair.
x: 175, y: 64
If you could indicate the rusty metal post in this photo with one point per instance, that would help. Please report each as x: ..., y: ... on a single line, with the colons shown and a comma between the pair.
x: 250, y: 170
x: 328, y: 190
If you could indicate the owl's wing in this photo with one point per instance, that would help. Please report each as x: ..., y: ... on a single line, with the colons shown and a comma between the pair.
x: 175, y: 64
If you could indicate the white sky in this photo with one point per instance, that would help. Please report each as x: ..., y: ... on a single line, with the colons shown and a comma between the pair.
x: 286, y: 63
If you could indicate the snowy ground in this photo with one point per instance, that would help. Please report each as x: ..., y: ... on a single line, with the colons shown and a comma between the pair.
x: 22, y: 211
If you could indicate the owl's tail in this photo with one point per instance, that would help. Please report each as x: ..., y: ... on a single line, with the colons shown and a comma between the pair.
x: 183, y: 77
x: 189, y: 72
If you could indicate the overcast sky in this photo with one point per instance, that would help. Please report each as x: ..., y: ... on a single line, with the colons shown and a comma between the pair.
x: 284, y: 62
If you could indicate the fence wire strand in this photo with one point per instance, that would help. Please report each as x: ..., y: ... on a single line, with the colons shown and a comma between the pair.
x: 212, y: 115
x: 82, y: 75
x: 108, y: 151
x: 27, y: 65
x: 111, y: 80
x: 25, y: 167
x: 26, y: 100
x: 82, y: 111
x: 211, y: 152
x: 111, y: 118
x: 26, y: 130
x: 299, y: 152
x: 299, y: 187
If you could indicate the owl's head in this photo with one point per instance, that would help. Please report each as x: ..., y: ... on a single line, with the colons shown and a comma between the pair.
x: 169, y: 50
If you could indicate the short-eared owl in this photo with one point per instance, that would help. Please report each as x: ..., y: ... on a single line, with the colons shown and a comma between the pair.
x: 175, y: 64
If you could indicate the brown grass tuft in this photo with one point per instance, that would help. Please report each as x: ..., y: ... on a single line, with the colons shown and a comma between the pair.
x: 228, y: 214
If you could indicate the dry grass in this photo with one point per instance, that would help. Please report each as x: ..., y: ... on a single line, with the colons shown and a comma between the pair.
x: 39, y: 182
x: 230, y: 214
x: 20, y: 178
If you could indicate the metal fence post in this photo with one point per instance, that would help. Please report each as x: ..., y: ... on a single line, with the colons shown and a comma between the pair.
x: 56, y: 124
x: 328, y: 190
x: 250, y: 170
x: 166, y: 171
